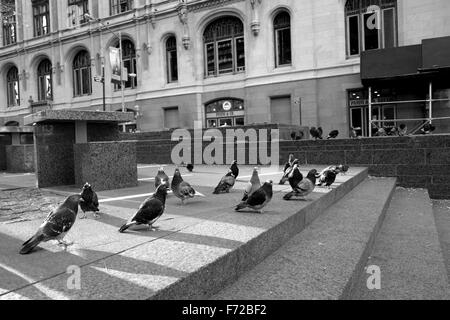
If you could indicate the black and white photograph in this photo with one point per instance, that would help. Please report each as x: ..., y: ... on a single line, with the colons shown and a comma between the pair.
x: 230, y: 158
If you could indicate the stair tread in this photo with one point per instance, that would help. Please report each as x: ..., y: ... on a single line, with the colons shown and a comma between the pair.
x: 319, y: 262
x: 408, y: 252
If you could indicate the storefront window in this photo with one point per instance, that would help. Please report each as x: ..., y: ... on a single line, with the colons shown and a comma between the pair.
x: 225, y: 113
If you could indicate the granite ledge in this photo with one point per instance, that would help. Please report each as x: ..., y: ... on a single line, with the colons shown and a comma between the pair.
x: 75, y: 115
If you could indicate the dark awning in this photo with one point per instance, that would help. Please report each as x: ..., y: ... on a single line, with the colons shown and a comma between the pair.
x: 436, y: 53
x: 391, y: 63
x: 424, y: 61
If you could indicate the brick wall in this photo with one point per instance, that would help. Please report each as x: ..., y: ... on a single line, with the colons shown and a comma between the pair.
x: 417, y: 161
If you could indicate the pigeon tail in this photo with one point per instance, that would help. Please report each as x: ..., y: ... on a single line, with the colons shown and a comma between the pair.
x: 241, y: 206
x: 28, y: 246
x: 126, y: 226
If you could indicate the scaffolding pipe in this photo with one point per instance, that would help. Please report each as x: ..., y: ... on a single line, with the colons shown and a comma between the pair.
x: 370, y: 112
x: 431, y: 102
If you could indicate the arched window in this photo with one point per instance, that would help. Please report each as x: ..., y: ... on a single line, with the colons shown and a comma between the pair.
x: 82, y: 84
x: 371, y: 24
x: 13, y: 91
x: 282, y: 31
x: 129, y: 62
x: 45, y: 80
x: 224, y: 46
x: 171, y: 59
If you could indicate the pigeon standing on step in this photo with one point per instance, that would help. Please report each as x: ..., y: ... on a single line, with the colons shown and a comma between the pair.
x: 226, y: 183
x: 327, y: 178
x: 295, y: 177
x: 253, y: 185
x: 305, y: 187
x: 258, y: 199
x: 181, y: 188
x: 90, y: 201
x: 161, y: 177
x: 190, y: 167
x: 333, y: 134
x: 56, y: 225
x: 235, y: 169
x: 287, y: 170
x: 150, y: 210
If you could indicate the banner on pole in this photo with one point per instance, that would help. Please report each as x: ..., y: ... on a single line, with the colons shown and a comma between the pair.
x: 114, y: 57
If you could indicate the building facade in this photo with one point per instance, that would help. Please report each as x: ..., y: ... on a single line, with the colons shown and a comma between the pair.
x: 214, y: 62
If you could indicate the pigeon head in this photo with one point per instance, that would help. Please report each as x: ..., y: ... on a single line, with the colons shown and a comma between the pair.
x: 312, y: 175
x: 291, y: 157
x: 87, y: 186
x: 343, y: 168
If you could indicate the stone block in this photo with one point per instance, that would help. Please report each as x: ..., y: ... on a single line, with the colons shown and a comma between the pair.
x: 106, y: 165
x: 20, y: 158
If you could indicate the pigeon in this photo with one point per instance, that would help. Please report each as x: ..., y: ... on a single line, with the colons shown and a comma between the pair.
x: 333, y: 134
x: 316, y: 133
x: 353, y: 133
x: 56, y: 225
x: 150, y: 210
x: 327, y: 178
x: 234, y: 169
x: 253, y: 185
x: 305, y: 187
x: 190, y: 167
x: 288, y: 169
x: 90, y: 201
x: 258, y: 199
x: 161, y: 177
x: 295, y: 177
x: 343, y: 168
x: 181, y: 188
x: 226, y: 183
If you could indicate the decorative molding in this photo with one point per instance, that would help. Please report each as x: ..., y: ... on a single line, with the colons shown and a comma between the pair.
x: 205, y: 5
x: 255, y: 25
x: 183, y: 15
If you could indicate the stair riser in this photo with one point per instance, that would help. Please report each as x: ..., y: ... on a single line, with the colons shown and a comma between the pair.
x: 226, y: 270
x: 359, y: 272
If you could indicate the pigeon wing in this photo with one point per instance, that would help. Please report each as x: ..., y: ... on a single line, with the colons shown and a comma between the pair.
x: 257, y: 198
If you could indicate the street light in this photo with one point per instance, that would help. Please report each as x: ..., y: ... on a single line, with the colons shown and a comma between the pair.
x: 89, y: 17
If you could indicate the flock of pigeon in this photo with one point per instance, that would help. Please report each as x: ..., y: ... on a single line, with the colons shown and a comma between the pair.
x: 256, y: 197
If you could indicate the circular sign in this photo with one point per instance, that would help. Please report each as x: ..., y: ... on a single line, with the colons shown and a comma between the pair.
x: 227, y: 106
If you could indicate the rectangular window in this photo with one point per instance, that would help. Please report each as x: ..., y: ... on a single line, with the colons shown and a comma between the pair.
x: 119, y: 6
x: 172, y: 66
x: 353, y: 35
x: 283, y: 40
x: 389, y: 28
x: 225, y: 55
x: 240, y: 54
x: 9, y: 24
x: 171, y: 118
x: 86, y: 80
x: 371, y: 34
x: 77, y: 10
x: 210, y: 59
x: 41, y: 18
x: 45, y: 88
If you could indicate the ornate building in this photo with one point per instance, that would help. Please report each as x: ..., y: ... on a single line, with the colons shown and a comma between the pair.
x: 221, y: 62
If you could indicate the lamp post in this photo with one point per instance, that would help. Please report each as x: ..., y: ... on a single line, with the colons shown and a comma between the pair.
x: 89, y: 17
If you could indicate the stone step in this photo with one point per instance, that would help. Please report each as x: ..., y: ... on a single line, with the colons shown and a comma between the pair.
x: 325, y: 260
x: 200, y: 248
x: 408, y: 252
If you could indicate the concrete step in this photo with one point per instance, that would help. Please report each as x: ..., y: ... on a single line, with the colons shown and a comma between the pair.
x: 200, y: 248
x: 441, y: 210
x: 408, y: 252
x: 325, y: 260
